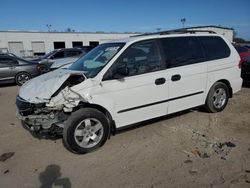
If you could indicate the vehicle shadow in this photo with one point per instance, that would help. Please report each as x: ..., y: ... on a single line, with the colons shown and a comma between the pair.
x: 51, y: 176
x: 7, y: 85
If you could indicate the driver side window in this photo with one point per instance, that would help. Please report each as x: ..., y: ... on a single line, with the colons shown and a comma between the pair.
x: 140, y: 58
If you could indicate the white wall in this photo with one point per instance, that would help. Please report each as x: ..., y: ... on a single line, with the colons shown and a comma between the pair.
x: 50, y: 37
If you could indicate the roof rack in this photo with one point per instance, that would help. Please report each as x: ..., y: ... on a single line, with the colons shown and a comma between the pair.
x: 177, y: 31
x: 201, y: 31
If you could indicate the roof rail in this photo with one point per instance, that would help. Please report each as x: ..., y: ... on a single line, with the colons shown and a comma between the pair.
x: 201, y: 31
x: 177, y: 31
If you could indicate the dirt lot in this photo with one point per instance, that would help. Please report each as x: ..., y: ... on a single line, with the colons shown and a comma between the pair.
x: 189, y: 149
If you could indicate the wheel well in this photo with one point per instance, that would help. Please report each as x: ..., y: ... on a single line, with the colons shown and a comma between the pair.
x: 101, y: 109
x: 228, y: 85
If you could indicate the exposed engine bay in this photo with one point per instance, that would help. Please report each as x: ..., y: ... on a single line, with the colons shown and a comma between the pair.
x: 46, y: 118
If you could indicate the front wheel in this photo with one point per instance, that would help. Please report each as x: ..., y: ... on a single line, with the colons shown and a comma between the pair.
x: 22, y: 77
x: 86, y: 130
x: 217, y: 97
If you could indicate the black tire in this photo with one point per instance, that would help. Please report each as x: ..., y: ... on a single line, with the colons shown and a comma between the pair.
x: 22, y: 77
x: 77, y: 122
x: 212, y: 104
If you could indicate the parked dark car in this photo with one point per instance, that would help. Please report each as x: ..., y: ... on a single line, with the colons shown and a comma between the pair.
x: 243, y: 52
x: 48, y: 59
x: 245, y: 69
x: 67, y: 61
x: 17, y: 70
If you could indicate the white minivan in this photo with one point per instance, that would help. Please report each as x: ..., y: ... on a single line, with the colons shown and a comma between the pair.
x: 131, y: 80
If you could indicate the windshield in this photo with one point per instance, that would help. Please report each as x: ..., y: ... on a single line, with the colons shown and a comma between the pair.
x: 93, y: 62
x: 48, y: 54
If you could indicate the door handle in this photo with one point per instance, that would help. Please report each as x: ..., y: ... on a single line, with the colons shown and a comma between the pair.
x: 176, y: 77
x: 12, y: 68
x: 160, y: 81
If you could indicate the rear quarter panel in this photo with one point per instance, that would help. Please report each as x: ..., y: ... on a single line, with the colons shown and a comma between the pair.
x: 29, y: 68
x: 225, y: 69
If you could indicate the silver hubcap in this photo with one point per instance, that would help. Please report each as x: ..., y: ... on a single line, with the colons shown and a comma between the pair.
x: 88, y: 133
x: 22, y: 78
x: 219, y: 97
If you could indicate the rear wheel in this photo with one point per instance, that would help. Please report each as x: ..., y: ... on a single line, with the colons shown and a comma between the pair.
x: 86, y: 130
x: 217, y: 97
x: 22, y: 77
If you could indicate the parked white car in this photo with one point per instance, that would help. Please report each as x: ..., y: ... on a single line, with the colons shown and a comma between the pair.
x: 124, y: 82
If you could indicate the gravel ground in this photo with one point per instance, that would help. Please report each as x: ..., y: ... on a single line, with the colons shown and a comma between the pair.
x: 188, y: 149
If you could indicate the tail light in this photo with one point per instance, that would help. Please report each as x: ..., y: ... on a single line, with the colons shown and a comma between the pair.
x: 42, y: 68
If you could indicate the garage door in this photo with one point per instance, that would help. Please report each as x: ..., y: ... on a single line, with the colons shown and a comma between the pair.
x: 38, y: 48
x: 16, y: 48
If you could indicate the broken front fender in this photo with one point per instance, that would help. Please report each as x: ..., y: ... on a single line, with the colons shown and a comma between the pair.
x: 68, y: 98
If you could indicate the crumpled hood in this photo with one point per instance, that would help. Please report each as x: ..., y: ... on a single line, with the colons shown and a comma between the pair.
x: 41, y: 88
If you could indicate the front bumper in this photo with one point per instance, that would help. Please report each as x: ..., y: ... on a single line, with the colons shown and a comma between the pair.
x: 42, y: 126
x: 27, y: 126
x: 37, y: 120
x: 36, y: 130
x: 24, y: 108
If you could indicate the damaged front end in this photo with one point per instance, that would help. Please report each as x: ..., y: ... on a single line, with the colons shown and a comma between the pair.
x: 39, y: 119
x: 46, y: 117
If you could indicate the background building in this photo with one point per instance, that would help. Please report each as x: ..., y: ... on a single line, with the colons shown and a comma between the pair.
x: 28, y: 43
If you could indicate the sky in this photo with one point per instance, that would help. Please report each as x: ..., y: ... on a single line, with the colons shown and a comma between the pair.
x: 124, y: 15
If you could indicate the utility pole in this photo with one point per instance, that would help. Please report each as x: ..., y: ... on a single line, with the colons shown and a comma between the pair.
x: 158, y: 29
x: 183, y: 20
x: 49, y: 27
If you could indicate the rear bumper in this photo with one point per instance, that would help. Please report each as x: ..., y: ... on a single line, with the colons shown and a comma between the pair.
x: 236, y: 85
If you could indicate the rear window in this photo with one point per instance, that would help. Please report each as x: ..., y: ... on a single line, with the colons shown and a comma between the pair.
x: 71, y: 53
x: 180, y: 51
x: 59, y: 54
x: 214, y: 47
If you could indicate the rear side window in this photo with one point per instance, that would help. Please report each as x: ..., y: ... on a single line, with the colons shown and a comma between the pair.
x: 180, y: 51
x: 6, y: 62
x: 214, y: 47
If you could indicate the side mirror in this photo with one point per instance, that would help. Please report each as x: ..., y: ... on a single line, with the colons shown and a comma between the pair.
x: 121, y: 72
